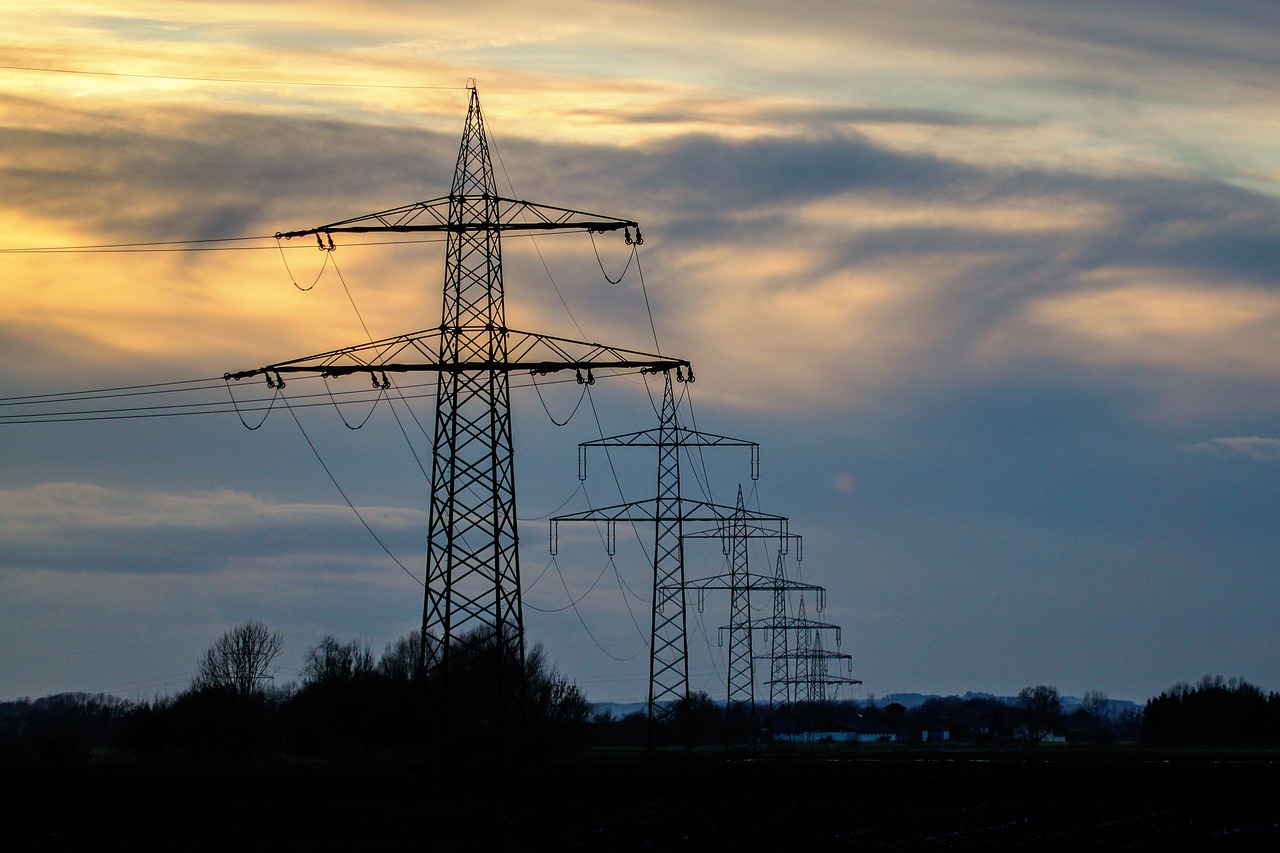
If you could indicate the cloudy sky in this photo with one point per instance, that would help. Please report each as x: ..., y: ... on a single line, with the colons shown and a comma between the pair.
x: 995, y: 284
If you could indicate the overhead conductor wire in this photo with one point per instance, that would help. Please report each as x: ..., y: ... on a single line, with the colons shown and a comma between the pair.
x: 590, y: 399
x: 338, y: 486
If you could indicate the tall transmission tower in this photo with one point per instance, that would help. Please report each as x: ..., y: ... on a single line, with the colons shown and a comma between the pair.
x: 669, y: 512
x: 472, y: 607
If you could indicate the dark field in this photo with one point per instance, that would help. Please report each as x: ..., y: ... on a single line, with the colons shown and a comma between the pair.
x: 868, y: 798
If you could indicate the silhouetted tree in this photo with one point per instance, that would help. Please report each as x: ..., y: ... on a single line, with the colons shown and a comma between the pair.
x: 558, y: 709
x: 1095, y: 719
x: 399, y: 660
x: 1096, y: 704
x: 59, y: 729
x: 333, y: 662
x: 239, y: 660
x: 1041, y: 707
x: 702, y: 715
x: 1216, y: 710
x: 345, y: 704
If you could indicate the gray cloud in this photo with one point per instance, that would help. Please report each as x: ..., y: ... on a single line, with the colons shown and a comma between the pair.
x: 1252, y: 446
x: 77, y: 527
x: 214, y: 175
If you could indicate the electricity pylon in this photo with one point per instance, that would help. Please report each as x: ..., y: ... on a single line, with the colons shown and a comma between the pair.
x: 801, y: 669
x: 820, y: 677
x: 745, y: 583
x: 471, y: 608
x: 669, y: 511
x: 740, y: 582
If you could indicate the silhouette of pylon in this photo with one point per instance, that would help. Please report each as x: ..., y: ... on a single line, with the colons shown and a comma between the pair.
x: 472, y: 613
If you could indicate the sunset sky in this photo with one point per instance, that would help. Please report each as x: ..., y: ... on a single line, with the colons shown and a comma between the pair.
x: 995, y: 284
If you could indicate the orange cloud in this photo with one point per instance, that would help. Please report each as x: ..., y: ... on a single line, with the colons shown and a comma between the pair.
x: 1154, y: 317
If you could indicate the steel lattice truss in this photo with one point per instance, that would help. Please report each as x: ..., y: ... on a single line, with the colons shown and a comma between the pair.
x: 525, y: 351
x: 740, y: 582
x: 508, y: 214
x: 741, y: 676
x: 805, y: 673
x: 472, y: 600
x: 668, y: 512
x: 745, y: 583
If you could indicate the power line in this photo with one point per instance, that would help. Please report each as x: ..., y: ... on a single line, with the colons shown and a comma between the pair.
x: 109, y: 391
x: 188, y: 246
x: 337, y: 486
x: 218, y: 407
x: 225, y: 79
x: 167, y: 410
x: 104, y: 247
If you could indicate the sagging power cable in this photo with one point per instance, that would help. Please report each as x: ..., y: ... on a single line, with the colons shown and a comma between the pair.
x: 631, y: 257
x: 316, y: 452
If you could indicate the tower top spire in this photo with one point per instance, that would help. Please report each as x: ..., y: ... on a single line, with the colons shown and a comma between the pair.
x: 473, y: 175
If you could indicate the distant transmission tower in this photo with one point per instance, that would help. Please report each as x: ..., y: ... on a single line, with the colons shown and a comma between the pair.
x: 801, y: 671
x: 740, y: 582
x: 472, y: 610
x: 669, y: 512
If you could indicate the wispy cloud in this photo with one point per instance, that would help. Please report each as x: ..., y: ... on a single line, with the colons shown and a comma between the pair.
x: 1252, y: 446
x: 93, y: 528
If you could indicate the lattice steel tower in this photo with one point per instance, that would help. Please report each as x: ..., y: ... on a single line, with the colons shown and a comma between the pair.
x: 740, y: 582
x: 472, y: 609
x: 669, y: 511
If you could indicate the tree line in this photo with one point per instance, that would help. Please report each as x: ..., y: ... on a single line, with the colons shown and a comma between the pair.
x: 349, y: 700
x: 1036, y: 715
x: 1215, y: 711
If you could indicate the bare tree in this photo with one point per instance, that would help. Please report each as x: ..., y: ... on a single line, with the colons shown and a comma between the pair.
x: 1041, y: 706
x: 332, y: 662
x: 1096, y: 704
x: 399, y: 660
x: 239, y: 660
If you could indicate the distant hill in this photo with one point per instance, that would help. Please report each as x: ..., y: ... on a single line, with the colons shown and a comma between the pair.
x: 906, y: 700
x: 1069, y: 703
x: 620, y: 709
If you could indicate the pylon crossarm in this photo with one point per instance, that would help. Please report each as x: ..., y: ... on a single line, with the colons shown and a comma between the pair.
x: 527, y: 351
x: 685, y: 509
x: 683, y: 437
x: 751, y: 582
x: 792, y: 623
x: 509, y: 214
x: 525, y: 347
x: 809, y: 679
x: 808, y: 656
x: 746, y: 530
